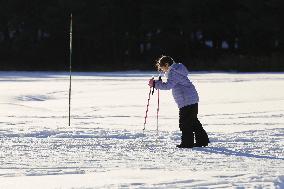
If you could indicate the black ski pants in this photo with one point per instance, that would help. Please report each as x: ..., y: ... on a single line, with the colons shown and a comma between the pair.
x: 190, y: 125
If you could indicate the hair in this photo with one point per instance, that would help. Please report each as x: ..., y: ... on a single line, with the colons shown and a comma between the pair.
x: 164, y: 61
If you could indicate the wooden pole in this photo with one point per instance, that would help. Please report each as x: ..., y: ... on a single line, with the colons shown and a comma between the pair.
x: 70, y: 69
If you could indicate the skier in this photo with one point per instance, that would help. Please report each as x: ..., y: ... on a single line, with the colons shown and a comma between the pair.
x: 187, y: 99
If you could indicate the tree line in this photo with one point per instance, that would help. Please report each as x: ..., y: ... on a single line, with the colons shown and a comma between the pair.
x: 242, y: 35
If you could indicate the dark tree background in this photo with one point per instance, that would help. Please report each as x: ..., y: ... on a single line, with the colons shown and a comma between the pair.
x: 241, y: 35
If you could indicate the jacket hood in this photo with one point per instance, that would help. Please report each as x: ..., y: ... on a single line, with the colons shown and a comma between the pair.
x: 179, y: 68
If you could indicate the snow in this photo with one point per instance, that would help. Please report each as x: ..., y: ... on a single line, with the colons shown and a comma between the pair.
x: 105, y: 146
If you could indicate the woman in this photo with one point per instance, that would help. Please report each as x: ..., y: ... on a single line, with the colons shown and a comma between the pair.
x: 187, y: 99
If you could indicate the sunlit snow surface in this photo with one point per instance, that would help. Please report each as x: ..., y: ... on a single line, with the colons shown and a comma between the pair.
x: 105, y: 146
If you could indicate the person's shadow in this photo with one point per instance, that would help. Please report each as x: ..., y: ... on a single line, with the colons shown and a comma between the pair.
x: 224, y: 151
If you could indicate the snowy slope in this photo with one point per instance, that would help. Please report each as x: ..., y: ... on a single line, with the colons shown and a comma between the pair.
x: 106, y: 148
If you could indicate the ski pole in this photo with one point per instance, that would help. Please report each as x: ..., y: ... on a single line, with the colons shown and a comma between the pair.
x: 147, y: 108
x: 158, y: 108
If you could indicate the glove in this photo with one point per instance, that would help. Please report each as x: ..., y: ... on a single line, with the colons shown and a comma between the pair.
x: 151, y: 82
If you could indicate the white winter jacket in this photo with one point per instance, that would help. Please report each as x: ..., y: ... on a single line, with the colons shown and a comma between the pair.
x: 183, y: 90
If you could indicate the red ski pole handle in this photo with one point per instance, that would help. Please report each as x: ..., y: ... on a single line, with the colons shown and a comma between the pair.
x: 153, y: 86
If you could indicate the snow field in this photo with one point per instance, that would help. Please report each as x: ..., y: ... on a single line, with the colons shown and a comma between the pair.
x: 105, y: 146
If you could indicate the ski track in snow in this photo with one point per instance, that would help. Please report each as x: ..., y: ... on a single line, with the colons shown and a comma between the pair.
x: 106, y: 148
